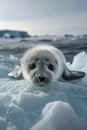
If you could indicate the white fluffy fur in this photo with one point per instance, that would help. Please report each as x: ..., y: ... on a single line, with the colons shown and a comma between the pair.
x: 56, y: 52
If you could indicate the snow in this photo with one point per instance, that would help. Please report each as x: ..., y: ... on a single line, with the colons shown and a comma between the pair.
x: 58, y: 106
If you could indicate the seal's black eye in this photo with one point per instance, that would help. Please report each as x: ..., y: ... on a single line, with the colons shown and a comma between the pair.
x: 32, y: 66
x: 51, y: 67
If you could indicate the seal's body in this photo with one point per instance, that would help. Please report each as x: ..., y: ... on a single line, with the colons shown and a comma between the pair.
x: 44, y: 64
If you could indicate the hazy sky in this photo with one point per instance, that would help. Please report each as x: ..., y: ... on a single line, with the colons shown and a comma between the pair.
x: 44, y: 16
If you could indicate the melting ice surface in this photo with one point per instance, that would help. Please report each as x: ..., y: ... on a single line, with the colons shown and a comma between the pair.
x: 58, y: 106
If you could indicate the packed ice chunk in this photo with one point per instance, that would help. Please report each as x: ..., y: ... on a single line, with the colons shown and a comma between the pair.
x: 30, y: 101
x: 12, y: 57
x: 79, y: 61
x: 57, y: 116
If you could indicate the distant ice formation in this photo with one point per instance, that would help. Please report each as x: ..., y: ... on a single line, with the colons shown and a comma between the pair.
x: 13, y: 34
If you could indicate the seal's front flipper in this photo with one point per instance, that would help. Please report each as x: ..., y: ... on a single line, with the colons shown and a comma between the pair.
x: 73, y: 75
x: 17, y: 74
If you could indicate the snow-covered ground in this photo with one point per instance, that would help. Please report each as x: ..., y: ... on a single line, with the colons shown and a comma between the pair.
x: 58, y: 106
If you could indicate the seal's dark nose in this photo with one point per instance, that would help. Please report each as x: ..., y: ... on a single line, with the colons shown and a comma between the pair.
x: 42, y: 78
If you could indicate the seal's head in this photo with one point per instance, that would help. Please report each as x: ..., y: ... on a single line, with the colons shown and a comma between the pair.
x: 39, y: 67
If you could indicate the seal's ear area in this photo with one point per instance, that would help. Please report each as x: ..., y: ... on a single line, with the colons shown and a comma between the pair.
x: 16, y: 74
x: 73, y: 75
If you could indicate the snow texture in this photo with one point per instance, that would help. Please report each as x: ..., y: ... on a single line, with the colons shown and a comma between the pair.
x: 59, y: 106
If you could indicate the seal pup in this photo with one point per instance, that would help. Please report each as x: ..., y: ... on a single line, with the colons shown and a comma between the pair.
x: 44, y: 64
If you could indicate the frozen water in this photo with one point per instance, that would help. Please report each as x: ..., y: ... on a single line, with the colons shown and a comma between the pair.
x: 57, y: 116
x: 80, y: 61
x: 61, y: 105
